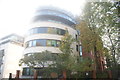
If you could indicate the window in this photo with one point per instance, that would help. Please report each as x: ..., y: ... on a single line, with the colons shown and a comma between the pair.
x: 35, y: 30
x: 38, y: 43
x: 80, y: 50
x: 58, y: 43
x: 30, y: 44
x: 27, y: 72
x: 30, y: 71
x: 1, y: 68
x: 1, y: 59
x: 50, y: 30
x: 48, y: 43
x: 77, y: 49
x: 76, y: 37
x: 42, y: 42
x: 58, y: 31
x: 34, y: 43
x: 1, y: 53
x: 53, y: 43
x: 63, y: 32
x: 42, y: 30
x: 54, y: 30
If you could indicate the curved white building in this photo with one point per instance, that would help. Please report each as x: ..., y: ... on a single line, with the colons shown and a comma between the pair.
x: 48, y: 27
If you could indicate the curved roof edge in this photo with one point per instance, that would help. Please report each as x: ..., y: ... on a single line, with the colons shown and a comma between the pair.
x: 58, y: 10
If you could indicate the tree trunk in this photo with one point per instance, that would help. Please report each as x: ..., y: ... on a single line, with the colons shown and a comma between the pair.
x: 35, y: 74
x: 94, y: 74
x: 64, y: 75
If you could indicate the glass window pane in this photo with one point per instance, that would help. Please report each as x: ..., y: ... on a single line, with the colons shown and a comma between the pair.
x: 76, y: 36
x: 59, y: 31
x: 58, y: 44
x: 1, y: 53
x: 42, y: 30
x: 77, y: 49
x: 39, y: 30
x: 80, y: 50
x: 24, y: 71
x: 54, y: 31
x: 34, y: 30
x: 31, y: 72
x: 30, y: 44
x: 34, y: 43
x: 42, y: 42
x: 53, y: 43
x: 50, y: 30
x: 38, y: 43
x: 48, y: 43
x: 63, y: 32
x: 27, y: 71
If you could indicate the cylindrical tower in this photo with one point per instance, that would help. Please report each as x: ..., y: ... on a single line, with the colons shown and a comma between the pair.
x: 48, y: 27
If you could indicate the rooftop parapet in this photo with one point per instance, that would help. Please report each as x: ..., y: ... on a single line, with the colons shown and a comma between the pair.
x: 54, y: 14
x: 13, y: 38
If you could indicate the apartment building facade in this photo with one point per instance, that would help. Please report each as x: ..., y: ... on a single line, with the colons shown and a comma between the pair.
x: 49, y: 25
x: 11, y: 51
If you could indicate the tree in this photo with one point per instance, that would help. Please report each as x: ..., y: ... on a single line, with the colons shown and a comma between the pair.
x: 91, y: 43
x: 65, y: 60
x: 58, y: 63
x: 102, y: 18
x: 69, y: 62
x: 62, y: 62
x: 37, y: 59
x: 42, y: 60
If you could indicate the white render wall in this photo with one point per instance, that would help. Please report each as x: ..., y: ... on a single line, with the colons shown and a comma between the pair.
x: 12, y: 54
x: 42, y: 48
x: 43, y: 36
x: 48, y: 36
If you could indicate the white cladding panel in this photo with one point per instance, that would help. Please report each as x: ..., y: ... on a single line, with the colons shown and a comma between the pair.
x: 43, y: 36
x: 41, y: 48
x: 13, y: 53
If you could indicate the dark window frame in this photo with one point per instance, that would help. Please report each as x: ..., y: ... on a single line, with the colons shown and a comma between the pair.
x: 30, y: 43
x: 49, y: 30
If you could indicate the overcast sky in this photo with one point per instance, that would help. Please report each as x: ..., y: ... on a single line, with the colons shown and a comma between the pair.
x: 15, y: 15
